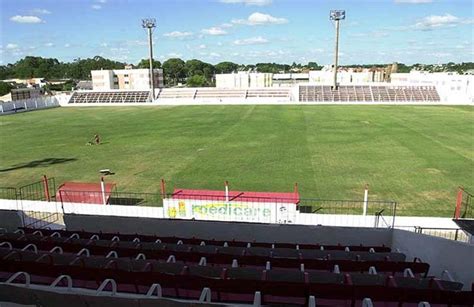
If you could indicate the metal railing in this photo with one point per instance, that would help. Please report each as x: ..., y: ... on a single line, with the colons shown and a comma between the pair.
x: 36, y: 103
x: 43, y: 190
x: 8, y: 193
x: 455, y: 234
x: 111, y: 198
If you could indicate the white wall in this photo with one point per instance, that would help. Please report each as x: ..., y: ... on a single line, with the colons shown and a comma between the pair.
x: 441, y: 254
x: 41, y: 102
x: 452, y: 87
x: 326, y: 77
x: 296, y: 217
x: 243, y: 80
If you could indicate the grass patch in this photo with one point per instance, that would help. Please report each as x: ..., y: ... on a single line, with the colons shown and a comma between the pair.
x: 415, y: 155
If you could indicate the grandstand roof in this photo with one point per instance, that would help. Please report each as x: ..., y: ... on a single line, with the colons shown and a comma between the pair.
x: 219, y: 195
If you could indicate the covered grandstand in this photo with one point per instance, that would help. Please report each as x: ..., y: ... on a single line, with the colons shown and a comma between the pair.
x: 139, y: 262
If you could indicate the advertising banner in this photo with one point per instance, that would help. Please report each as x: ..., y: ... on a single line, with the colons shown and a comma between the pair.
x: 264, y: 212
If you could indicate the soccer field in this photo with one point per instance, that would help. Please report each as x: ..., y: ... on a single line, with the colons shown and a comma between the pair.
x: 415, y: 155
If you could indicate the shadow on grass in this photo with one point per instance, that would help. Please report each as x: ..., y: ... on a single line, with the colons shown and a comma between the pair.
x: 126, y: 201
x: 39, y: 163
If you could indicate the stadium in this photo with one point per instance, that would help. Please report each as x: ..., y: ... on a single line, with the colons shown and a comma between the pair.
x: 338, y: 186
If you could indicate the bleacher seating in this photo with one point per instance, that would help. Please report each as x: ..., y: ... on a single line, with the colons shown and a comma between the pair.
x: 216, y: 93
x: 224, y: 271
x: 110, y: 97
x: 368, y: 93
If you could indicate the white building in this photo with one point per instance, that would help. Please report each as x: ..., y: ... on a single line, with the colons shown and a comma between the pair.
x: 244, y: 80
x: 346, y: 77
x: 125, y: 79
x: 289, y: 79
x: 452, y: 87
x: 31, y: 82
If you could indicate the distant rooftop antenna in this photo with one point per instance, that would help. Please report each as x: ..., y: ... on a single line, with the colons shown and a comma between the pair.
x: 150, y: 24
x: 336, y: 15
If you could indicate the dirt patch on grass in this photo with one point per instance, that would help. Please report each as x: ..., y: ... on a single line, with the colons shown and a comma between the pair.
x: 435, y: 195
x: 433, y: 171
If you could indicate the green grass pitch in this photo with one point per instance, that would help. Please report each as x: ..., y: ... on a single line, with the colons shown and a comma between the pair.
x: 415, y: 155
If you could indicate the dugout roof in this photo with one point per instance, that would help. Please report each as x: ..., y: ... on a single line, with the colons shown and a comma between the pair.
x: 219, y: 195
x: 83, y: 192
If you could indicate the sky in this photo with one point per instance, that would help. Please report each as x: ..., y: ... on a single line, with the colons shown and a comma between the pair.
x: 241, y: 31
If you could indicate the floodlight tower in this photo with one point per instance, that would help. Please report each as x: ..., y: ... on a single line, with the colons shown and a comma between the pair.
x: 336, y: 15
x: 150, y: 24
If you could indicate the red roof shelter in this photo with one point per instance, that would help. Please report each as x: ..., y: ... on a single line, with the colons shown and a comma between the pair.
x: 219, y: 195
x: 81, y: 192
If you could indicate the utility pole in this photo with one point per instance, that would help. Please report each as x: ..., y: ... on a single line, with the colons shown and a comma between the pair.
x: 150, y: 24
x: 336, y: 15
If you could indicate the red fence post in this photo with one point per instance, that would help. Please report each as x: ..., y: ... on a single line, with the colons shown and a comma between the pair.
x: 457, y: 211
x: 46, y: 188
x: 163, y: 189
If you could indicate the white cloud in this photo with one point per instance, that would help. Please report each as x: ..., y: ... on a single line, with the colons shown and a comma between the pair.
x: 413, y: 1
x: 437, y: 21
x: 49, y: 45
x: 260, y: 19
x: 248, y: 2
x: 11, y: 46
x: 377, y: 34
x: 251, y: 41
x: 226, y: 25
x: 135, y: 43
x: 214, y: 31
x: 67, y: 45
x: 178, y: 34
x: 202, y: 46
x: 215, y: 55
x: 40, y: 11
x: 96, y: 6
x: 102, y: 1
x: 26, y: 19
x: 104, y: 45
x: 174, y: 55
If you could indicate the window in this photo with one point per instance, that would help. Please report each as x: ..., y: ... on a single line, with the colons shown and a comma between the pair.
x: 126, y: 82
x: 126, y: 75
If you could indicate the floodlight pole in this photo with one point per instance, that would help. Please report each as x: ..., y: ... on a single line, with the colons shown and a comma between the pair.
x: 336, y: 56
x: 337, y: 16
x: 150, y: 24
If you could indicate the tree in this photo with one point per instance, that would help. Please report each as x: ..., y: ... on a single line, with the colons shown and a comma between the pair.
x: 313, y: 66
x: 226, y: 67
x: 174, y: 70
x: 196, y: 67
x: 5, y: 88
x: 145, y: 63
x: 197, y: 81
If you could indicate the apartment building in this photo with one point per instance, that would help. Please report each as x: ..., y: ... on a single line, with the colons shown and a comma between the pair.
x: 126, y: 79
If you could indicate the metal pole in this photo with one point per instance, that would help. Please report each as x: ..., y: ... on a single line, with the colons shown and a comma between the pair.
x: 226, y: 192
x: 366, y: 200
x: 152, y: 77
x: 336, y: 51
x: 46, y: 188
x: 102, y: 187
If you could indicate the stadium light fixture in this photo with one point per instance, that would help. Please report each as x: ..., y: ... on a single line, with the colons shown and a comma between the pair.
x: 336, y: 16
x: 150, y: 24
